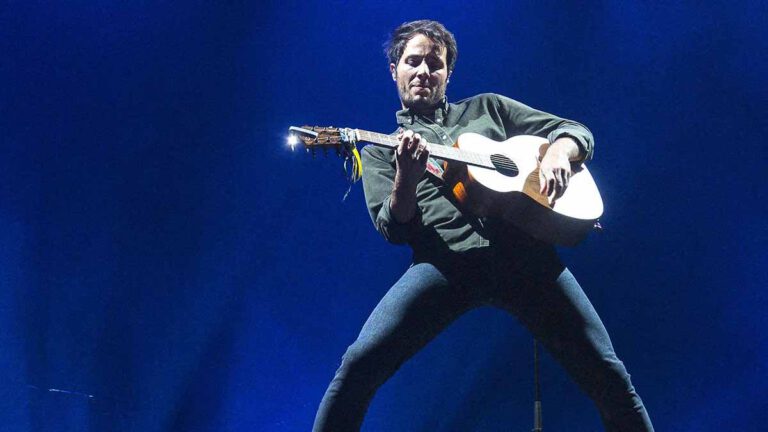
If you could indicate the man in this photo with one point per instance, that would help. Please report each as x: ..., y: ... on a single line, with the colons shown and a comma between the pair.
x: 460, y: 261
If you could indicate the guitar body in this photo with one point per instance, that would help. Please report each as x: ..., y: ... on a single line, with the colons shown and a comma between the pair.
x: 513, y: 194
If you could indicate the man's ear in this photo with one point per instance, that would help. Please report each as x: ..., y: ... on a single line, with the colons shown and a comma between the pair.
x: 393, y: 71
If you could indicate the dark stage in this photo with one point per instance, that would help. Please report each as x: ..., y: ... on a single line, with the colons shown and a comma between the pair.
x: 167, y: 263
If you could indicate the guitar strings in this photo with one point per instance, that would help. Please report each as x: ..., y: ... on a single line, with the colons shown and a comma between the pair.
x: 503, y: 165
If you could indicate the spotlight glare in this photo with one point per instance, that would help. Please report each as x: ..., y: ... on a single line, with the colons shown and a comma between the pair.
x: 292, y: 141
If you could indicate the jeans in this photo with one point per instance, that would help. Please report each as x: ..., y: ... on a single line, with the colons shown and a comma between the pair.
x: 530, y: 283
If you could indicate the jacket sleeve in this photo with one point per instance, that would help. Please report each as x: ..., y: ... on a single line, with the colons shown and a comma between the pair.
x: 520, y: 119
x: 378, y: 182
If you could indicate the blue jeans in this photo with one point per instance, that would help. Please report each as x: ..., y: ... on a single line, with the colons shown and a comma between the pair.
x: 530, y: 283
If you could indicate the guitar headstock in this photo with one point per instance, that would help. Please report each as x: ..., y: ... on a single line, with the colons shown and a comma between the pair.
x: 342, y: 140
x: 314, y: 137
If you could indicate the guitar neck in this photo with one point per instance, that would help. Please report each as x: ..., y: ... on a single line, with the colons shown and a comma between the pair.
x: 452, y: 154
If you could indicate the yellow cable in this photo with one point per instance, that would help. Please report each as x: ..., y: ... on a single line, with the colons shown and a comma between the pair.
x: 357, y: 167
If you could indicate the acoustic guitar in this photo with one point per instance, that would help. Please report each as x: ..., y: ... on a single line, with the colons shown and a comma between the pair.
x: 494, y: 179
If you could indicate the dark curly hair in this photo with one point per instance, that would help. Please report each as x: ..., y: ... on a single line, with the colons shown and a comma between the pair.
x: 435, y: 31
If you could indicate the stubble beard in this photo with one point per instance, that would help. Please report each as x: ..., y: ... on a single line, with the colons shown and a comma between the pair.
x: 420, y: 104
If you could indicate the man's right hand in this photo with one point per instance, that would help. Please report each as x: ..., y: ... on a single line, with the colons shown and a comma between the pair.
x: 412, y: 154
x: 411, y: 157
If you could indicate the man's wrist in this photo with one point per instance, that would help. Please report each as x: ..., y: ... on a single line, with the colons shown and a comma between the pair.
x: 404, y: 184
x: 401, y: 212
x: 403, y: 200
x: 569, y: 147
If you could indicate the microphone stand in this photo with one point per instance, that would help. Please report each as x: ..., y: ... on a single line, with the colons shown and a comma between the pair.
x: 537, y: 427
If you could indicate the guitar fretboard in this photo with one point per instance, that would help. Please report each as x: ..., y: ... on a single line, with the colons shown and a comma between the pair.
x: 436, y: 150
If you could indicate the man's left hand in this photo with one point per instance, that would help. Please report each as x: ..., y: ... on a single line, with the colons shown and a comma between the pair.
x: 555, y: 168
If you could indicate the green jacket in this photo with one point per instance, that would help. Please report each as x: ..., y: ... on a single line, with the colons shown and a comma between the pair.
x: 439, y: 224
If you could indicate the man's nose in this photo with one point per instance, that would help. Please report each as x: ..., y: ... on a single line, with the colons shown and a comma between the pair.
x: 423, y: 69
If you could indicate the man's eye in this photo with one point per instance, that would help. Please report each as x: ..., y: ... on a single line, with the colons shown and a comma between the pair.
x: 413, y: 61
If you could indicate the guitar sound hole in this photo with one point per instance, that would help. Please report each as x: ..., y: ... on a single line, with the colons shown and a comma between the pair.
x: 504, y: 165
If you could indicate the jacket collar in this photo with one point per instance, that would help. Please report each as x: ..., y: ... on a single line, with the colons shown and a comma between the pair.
x: 407, y: 117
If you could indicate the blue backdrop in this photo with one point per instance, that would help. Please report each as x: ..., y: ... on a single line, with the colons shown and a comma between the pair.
x: 168, y: 264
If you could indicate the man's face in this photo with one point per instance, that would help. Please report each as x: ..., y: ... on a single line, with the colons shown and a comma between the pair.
x: 421, y: 74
